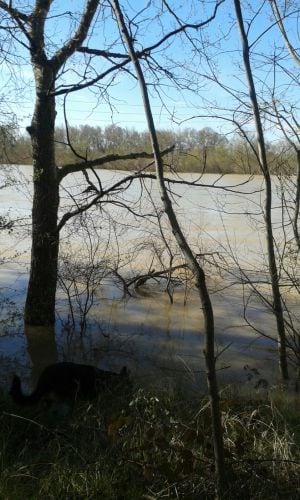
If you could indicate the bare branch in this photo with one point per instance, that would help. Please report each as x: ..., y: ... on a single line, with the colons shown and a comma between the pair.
x: 103, y: 53
x: 150, y: 48
x: 97, y: 162
x: 279, y: 21
x: 79, y: 36
x: 15, y: 13
x: 161, y: 273
x: 20, y: 19
x: 74, y: 88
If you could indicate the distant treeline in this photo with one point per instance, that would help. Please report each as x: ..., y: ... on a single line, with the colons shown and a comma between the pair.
x: 195, y: 150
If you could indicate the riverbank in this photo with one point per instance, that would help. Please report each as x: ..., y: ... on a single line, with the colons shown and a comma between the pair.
x: 156, y: 444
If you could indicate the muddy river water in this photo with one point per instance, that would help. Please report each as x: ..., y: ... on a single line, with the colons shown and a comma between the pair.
x: 160, y: 342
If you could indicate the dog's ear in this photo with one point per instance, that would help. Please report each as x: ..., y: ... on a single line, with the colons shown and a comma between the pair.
x: 124, y: 372
x: 15, y: 384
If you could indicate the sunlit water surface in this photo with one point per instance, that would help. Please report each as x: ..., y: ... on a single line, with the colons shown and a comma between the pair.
x: 160, y: 342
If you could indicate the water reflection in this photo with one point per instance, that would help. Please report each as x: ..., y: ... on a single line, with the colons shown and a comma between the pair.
x: 41, y: 348
x: 158, y: 341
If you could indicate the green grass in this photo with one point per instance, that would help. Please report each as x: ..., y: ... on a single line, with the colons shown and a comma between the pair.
x: 157, y: 445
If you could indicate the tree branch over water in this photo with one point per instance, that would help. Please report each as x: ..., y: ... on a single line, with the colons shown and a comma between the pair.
x: 98, y: 162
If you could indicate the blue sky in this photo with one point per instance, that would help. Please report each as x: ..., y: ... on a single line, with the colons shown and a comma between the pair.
x: 125, y: 107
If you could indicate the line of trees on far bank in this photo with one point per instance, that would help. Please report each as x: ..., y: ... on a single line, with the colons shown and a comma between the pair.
x: 195, y: 150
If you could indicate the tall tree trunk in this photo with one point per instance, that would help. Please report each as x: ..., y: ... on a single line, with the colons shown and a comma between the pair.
x: 217, y: 430
x: 277, y: 303
x: 40, y: 302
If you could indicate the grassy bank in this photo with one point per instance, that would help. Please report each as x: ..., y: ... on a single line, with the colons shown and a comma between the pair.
x: 154, y: 446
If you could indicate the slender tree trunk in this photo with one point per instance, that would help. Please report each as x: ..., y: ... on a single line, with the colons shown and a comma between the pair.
x: 217, y: 431
x: 40, y: 302
x: 295, y: 220
x: 277, y: 303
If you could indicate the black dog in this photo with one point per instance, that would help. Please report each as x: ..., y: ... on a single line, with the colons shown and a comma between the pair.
x: 69, y: 381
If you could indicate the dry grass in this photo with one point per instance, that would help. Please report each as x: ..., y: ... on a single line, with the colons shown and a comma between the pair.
x: 154, y: 446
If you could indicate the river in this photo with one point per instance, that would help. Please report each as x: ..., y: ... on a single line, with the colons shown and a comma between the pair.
x: 157, y: 340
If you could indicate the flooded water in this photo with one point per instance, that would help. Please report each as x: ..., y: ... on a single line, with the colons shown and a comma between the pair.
x: 160, y: 342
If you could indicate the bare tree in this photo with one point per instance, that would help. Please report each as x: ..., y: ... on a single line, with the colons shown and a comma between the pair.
x: 260, y: 111
x: 263, y: 163
x: 26, y: 26
x: 189, y: 256
x: 40, y: 302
